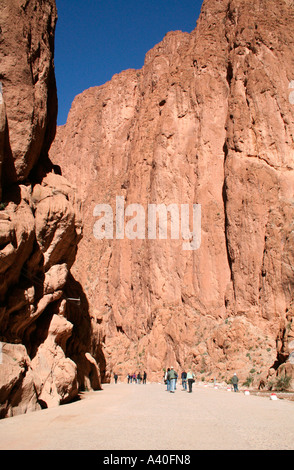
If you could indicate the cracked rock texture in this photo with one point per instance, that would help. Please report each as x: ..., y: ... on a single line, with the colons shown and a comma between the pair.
x: 45, y: 358
x: 209, y: 119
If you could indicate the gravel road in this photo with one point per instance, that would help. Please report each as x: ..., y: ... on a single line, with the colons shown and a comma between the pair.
x: 147, y: 417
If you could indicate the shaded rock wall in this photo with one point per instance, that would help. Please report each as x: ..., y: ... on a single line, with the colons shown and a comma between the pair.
x: 207, y: 120
x: 45, y: 358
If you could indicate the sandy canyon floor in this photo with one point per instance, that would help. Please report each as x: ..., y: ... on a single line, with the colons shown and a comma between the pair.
x: 147, y: 417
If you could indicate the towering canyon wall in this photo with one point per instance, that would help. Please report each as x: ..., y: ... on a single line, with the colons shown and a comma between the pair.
x: 209, y: 120
x: 44, y: 357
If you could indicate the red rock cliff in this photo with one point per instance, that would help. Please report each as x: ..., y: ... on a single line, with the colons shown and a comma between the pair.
x: 207, y: 120
x: 44, y: 357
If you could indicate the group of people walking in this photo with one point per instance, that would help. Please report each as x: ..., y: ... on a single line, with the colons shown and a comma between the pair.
x: 171, y: 377
x: 137, y: 378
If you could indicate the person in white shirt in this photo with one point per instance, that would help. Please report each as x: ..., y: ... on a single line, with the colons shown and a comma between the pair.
x: 191, y: 380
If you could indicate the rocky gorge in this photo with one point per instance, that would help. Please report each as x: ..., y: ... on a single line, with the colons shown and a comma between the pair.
x: 208, y: 120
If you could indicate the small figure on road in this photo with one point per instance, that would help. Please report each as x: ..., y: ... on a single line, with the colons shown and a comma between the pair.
x: 184, y: 380
x: 115, y: 378
x: 191, y: 380
x: 166, y: 380
x: 172, y: 375
x: 144, y: 377
x: 235, y: 381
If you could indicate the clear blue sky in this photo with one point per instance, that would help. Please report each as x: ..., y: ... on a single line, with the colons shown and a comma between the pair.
x: 97, y: 38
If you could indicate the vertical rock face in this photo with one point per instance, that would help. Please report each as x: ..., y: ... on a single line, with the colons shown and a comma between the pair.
x: 28, y: 80
x: 207, y: 120
x: 44, y: 358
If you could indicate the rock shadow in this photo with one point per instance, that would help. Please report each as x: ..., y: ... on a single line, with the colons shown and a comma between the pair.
x: 79, y: 345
